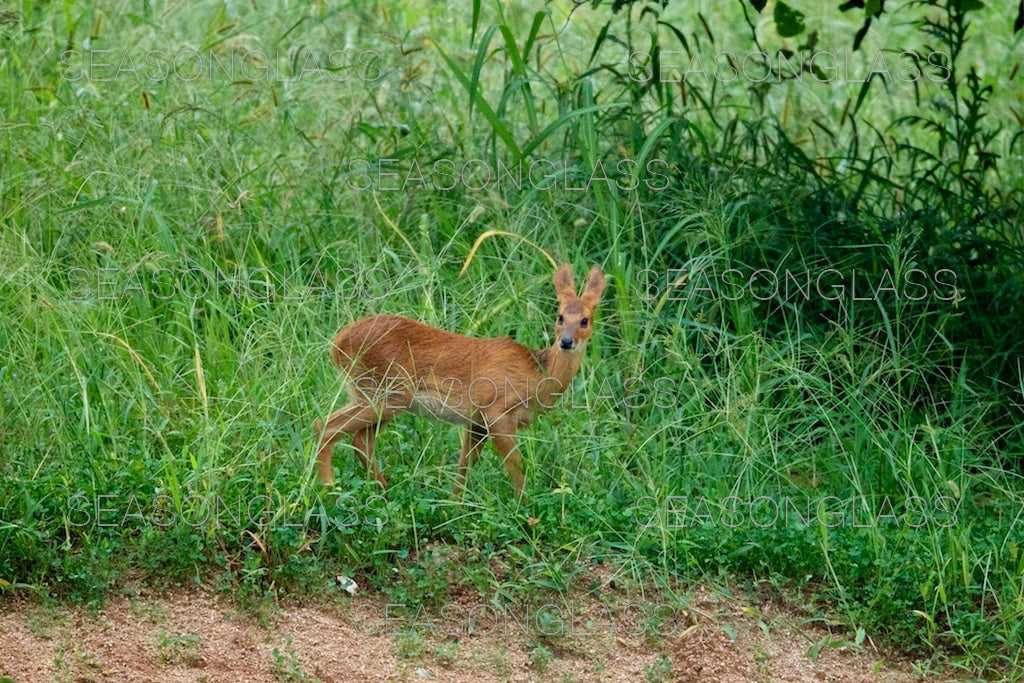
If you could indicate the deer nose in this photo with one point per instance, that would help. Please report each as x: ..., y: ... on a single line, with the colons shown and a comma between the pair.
x: 566, y: 342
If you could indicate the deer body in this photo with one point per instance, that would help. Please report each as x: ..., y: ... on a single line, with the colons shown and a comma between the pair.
x: 491, y: 386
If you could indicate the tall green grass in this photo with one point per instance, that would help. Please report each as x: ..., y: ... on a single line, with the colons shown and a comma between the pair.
x: 110, y: 390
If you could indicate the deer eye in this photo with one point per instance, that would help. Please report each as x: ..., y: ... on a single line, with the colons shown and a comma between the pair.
x: 560, y: 319
x: 583, y: 322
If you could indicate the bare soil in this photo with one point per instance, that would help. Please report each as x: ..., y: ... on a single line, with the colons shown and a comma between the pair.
x: 194, y: 635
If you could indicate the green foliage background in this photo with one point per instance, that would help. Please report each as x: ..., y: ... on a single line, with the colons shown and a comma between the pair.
x: 155, y: 398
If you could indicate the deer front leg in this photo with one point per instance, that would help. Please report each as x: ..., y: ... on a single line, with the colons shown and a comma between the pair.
x: 504, y: 438
x: 472, y: 443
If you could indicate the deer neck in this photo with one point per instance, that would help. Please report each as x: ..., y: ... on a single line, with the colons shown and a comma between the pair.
x: 557, y: 367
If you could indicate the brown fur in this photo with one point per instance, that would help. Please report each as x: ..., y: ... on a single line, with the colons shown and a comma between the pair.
x: 492, y: 386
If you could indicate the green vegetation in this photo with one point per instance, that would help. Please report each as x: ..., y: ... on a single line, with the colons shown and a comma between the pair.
x: 179, y: 648
x: 180, y: 240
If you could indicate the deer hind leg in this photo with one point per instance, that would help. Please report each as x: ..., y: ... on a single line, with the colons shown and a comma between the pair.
x: 472, y: 443
x: 362, y: 422
x: 363, y: 441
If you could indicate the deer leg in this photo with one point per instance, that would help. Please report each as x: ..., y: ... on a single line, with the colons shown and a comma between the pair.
x: 362, y: 442
x: 355, y: 419
x: 472, y: 443
x: 505, y: 441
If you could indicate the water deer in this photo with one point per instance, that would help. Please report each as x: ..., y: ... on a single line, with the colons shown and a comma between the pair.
x: 490, y: 386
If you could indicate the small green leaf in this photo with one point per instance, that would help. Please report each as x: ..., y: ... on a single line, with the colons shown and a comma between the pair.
x: 815, y: 649
x: 788, y: 21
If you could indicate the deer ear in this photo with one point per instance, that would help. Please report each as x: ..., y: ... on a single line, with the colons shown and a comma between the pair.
x: 565, y: 282
x: 595, y: 287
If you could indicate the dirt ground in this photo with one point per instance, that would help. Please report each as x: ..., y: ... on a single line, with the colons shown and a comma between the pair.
x: 193, y: 635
